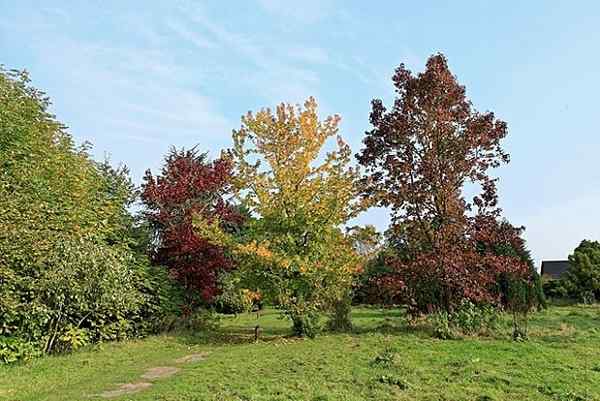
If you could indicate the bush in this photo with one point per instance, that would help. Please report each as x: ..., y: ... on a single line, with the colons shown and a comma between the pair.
x: 14, y: 349
x: 161, y: 299
x: 305, y: 323
x: 200, y: 320
x: 554, y: 289
x: 69, y: 270
x: 520, y: 298
x: 468, y: 319
x: 340, y: 319
x: 233, y: 299
x: 87, y: 285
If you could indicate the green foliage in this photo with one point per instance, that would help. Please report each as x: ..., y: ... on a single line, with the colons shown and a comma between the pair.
x: 233, y: 298
x: 442, y: 327
x: 294, y: 251
x: 554, y: 289
x: 367, y: 288
x: 582, y: 280
x: 385, y: 358
x: 86, y: 284
x: 521, y: 297
x: 469, y: 319
x: 14, y: 349
x: 393, y: 381
x: 340, y: 319
x: 70, y: 267
x: 306, y: 320
x: 73, y: 338
x: 200, y: 320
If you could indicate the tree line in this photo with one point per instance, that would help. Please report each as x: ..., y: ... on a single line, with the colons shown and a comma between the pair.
x: 265, y: 223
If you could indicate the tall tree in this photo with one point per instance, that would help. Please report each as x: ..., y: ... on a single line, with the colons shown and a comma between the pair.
x: 418, y: 157
x: 190, y: 185
x: 421, y: 153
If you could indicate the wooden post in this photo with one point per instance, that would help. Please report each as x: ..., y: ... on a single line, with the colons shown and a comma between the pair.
x: 256, y: 333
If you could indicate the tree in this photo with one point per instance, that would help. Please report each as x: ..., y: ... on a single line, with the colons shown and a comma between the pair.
x: 582, y: 280
x: 65, y: 241
x: 190, y: 185
x: 418, y: 158
x: 295, y: 251
x: 422, y: 152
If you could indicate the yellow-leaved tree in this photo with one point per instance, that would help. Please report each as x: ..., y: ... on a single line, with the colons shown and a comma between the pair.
x: 294, y: 249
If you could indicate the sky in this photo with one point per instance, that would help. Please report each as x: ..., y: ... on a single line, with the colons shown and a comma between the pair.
x: 136, y: 77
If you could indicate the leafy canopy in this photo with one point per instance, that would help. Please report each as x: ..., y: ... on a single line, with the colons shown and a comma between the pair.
x: 418, y: 158
x: 295, y: 250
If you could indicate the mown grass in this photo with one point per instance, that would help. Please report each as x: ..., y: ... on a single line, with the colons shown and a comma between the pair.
x: 386, y: 359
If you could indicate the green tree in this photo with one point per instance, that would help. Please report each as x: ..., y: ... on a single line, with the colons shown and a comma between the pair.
x: 582, y: 280
x: 295, y: 251
x: 55, y: 202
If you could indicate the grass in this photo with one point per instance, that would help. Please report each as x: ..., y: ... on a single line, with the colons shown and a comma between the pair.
x: 386, y: 359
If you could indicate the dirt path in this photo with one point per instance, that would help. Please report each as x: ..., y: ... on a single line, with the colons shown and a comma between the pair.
x: 160, y: 372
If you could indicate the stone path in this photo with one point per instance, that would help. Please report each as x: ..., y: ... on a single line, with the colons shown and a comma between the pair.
x: 160, y: 372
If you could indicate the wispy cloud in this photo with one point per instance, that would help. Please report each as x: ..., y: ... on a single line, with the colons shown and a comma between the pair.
x: 277, y: 74
x: 190, y: 36
x: 304, y: 12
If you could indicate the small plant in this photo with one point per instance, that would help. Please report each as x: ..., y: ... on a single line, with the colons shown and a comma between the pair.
x: 13, y: 349
x: 340, y: 319
x: 73, y: 338
x: 197, y: 321
x: 442, y: 326
x: 307, y: 324
x: 563, y: 395
x: 385, y: 358
x: 473, y: 319
x: 393, y: 381
x: 468, y: 319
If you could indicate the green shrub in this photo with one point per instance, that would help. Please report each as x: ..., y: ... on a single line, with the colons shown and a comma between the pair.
x: 555, y: 289
x: 468, y: 319
x: 200, y: 320
x: 305, y: 323
x: 521, y: 298
x: 14, y: 349
x: 86, y: 285
x: 340, y: 319
x: 442, y: 326
x: 233, y: 299
x: 385, y: 358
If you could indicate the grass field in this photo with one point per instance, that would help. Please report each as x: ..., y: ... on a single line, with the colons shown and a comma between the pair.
x: 384, y: 360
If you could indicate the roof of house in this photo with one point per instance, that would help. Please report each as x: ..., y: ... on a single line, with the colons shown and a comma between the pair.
x: 554, y: 268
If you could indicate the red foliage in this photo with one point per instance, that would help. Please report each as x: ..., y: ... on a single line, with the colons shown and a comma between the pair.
x: 189, y: 185
x: 418, y: 158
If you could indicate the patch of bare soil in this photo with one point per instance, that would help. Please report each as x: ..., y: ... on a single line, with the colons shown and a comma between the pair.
x: 127, y: 388
x: 193, y: 358
x: 159, y: 372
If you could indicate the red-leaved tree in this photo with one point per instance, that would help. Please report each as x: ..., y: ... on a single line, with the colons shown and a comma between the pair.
x: 418, y: 158
x: 189, y: 185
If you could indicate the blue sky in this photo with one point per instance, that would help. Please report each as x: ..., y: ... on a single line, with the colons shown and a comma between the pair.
x: 135, y: 77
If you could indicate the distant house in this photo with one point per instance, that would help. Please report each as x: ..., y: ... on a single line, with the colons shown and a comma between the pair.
x: 554, y: 268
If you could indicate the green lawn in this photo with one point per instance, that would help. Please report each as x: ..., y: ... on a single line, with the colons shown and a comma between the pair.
x: 561, y: 361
